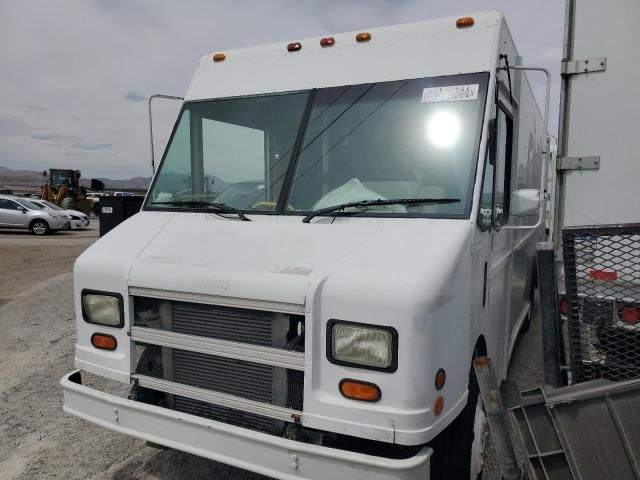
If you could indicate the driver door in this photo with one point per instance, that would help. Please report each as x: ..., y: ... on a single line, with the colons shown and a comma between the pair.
x: 494, y: 210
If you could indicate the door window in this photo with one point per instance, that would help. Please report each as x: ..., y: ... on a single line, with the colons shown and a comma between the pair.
x: 496, y: 184
x: 8, y: 204
x: 502, y: 168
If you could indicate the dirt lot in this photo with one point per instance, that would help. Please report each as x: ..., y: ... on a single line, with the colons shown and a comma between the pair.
x: 37, y: 440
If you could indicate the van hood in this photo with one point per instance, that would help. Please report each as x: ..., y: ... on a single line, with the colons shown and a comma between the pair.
x: 277, y: 259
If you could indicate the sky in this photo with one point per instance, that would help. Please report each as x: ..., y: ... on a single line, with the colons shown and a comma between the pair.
x: 75, y: 74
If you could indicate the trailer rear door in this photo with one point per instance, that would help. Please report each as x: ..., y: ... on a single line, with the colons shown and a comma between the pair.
x: 602, y: 114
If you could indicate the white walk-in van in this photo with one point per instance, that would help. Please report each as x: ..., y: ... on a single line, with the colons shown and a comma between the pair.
x: 337, y: 227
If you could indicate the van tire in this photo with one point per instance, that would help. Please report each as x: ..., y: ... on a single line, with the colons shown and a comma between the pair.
x: 452, y: 447
x: 39, y: 227
x: 526, y: 325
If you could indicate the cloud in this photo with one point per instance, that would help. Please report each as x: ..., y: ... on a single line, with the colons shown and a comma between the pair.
x: 135, y: 97
x: 92, y: 146
x: 13, y: 126
x: 52, y: 136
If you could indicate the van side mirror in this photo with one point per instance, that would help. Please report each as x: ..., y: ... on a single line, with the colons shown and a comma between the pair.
x: 525, y: 202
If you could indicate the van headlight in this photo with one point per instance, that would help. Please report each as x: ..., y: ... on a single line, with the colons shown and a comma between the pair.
x: 102, y: 308
x: 363, y: 346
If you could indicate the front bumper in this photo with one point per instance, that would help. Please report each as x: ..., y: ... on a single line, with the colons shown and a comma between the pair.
x: 258, y: 452
x: 60, y: 225
x: 80, y: 224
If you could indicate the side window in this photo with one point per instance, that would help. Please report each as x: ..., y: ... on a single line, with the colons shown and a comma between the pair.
x: 502, y: 162
x: 486, y: 198
x: 496, y: 184
x: 8, y: 204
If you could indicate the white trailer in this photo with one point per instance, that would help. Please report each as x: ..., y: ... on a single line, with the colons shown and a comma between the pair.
x: 338, y: 226
x: 596, y: 228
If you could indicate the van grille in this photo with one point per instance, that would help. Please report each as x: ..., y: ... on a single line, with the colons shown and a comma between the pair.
x: 245, y: 379
x: 223, y: 323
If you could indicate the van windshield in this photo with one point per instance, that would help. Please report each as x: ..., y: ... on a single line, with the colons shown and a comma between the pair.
x: 295, y: 153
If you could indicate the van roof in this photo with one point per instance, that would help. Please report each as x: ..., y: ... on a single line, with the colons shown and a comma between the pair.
x: 422, y: 49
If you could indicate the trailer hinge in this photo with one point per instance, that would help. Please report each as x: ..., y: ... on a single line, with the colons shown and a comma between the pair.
x: 574, y: 67
x: 577, y: 163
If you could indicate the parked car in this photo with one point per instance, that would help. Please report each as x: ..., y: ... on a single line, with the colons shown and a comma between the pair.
x: 22, y: 213
x: 79, y: 220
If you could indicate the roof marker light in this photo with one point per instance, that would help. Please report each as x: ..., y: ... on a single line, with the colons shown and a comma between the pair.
x: 363, y: 37
x: 327, y: 42
x: 465, y: 22
x: 219, y: 57
x: 294, y: 47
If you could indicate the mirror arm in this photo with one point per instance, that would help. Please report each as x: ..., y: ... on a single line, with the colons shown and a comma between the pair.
x: 545, y: 153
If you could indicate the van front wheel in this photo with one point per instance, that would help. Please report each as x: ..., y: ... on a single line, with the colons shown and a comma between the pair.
x: 459, y: 449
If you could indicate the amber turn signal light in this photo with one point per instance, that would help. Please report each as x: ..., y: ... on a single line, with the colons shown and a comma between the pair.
x: 438, y: 406
x: 465, y: 22
x: 104, y: 341
x: 363, y: 37
x: 441, y: 378
x: 219, y: 57
x: 357, y: 390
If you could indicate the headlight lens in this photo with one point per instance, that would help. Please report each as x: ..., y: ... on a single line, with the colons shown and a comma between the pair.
x: 103, y: 309
x: 363, y: 345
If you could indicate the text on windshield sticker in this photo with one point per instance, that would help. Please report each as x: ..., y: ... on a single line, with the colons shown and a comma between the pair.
x: 452, y: 93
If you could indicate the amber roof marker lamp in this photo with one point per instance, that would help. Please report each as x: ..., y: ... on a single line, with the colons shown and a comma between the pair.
x: 363, y: 37
x: 219, y: 57
x: 465, y: 22
x: 327, y: 42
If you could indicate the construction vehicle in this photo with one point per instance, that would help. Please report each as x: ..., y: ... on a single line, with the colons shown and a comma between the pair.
x: 63, y: 188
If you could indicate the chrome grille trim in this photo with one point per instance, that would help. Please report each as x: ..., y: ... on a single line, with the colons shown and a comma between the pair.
x: 222, y: 348
x: 217, y: 398
x: 270, y: 306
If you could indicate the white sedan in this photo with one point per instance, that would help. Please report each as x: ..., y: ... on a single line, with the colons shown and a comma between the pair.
x: 78, y: 220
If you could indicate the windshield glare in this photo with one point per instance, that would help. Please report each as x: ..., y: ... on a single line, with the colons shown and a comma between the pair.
x: 300, y: 152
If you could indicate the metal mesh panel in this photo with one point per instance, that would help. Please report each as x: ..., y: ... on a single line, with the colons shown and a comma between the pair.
x: 602, y: 279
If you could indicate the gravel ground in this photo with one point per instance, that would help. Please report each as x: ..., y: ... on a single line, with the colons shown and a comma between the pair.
x: 38, y: 441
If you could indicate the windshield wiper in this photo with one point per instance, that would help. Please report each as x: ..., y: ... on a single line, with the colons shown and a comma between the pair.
x: 213, y: 207
x: 372, y: 203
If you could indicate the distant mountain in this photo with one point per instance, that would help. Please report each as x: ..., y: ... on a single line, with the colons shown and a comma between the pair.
x: 135, y: 183
x: 31, y: 178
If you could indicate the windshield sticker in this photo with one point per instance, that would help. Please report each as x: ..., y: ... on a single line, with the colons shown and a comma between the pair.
x: 452, y: 93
